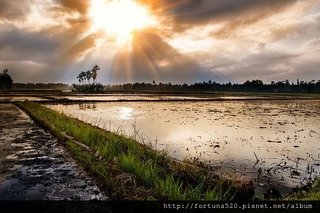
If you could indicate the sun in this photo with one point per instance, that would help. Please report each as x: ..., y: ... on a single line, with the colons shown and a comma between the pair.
x: 120, y: 18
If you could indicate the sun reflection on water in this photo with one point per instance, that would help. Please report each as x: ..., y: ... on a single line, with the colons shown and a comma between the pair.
x: 125, y: 113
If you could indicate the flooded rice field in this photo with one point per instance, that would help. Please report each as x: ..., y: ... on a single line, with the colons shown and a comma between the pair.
x: 274, y: 143
x: 124, y: 97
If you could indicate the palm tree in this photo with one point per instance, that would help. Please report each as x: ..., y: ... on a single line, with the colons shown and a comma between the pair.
x: 94, y: 72
x: 82, y: 76
x: 94, y: 75
x: 79, y: 78
x: 88, y: 76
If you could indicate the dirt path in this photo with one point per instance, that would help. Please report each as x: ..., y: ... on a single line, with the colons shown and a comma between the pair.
x: 33, y: 166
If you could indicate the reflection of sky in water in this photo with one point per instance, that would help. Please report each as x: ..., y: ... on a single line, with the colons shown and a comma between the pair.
x: 125, y: 113
x: 222, y: 133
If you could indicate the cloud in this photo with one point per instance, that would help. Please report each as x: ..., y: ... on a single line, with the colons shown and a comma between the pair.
x: 42, y: 40
x: 272, y: 66
x: 151, y: 58
x: 19, y: 44
x: 74, y: 52
x: 26, y: 71
x: 196, y: 40
x: 185, y: 14
x: 14, y: 10
x: 307, y: 69
x: 80, y: 6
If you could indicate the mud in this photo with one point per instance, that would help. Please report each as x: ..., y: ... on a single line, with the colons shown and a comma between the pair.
x: 34, y: 166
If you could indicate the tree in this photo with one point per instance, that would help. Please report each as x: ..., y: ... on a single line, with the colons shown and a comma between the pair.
x: 6, y: 81
x: 79, y: 78
x: 94, y: 71
x: 254, y: 85
x: 82, y: 76
x: 88, y: 76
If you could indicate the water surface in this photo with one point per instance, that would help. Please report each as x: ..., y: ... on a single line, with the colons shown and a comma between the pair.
x: 268, y: 141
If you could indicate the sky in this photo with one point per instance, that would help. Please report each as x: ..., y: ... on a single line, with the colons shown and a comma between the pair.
x: 177, y: 41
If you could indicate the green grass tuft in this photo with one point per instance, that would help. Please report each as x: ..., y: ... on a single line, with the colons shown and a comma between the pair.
x: 311, y: 192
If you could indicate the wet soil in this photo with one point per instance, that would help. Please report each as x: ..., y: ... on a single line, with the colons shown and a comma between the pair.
x: 34, y: 166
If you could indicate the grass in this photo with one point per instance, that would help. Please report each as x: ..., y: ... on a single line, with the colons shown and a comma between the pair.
x: 310, y: 192
x: 129, y: 170
x: 314, y: 193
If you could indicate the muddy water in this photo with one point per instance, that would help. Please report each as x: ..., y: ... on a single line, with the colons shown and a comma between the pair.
x: 20, y: 98
x: 272, y: 142
x: 127, y: 97
x: 33, y: 166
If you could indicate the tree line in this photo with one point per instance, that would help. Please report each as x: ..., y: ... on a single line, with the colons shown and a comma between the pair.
x: 285, y: 86
x: 88, y: 83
